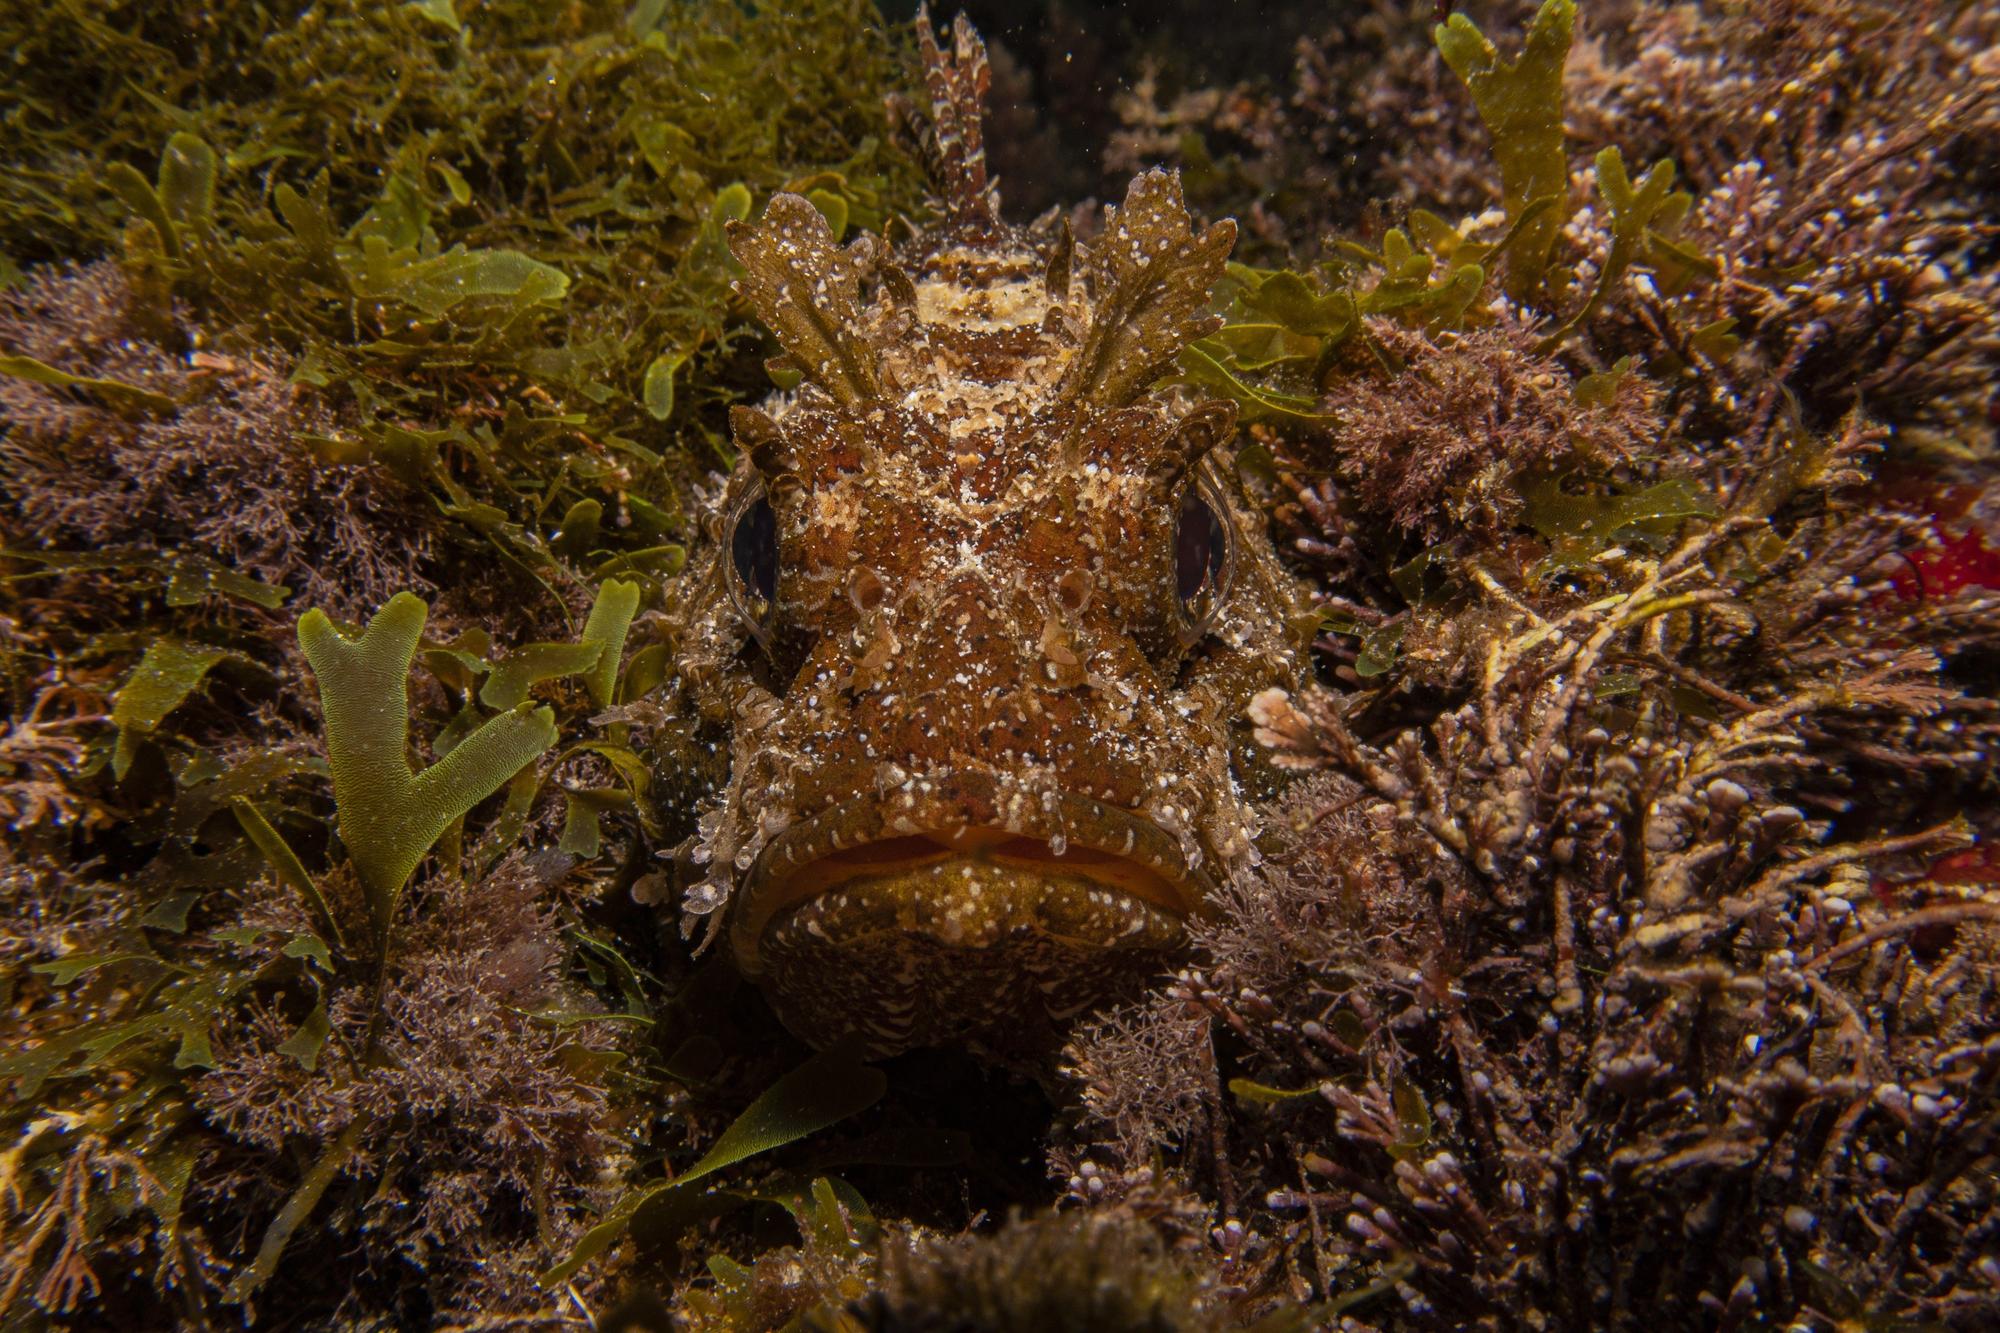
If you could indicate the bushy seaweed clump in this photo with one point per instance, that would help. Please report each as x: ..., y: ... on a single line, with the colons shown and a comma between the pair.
x: 341, y: 306
x: 1627, y: 949
x: 104, y: 475
x: 1844, y: 160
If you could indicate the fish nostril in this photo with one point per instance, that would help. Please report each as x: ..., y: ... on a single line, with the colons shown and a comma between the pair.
x: 865, y: 589
x: 1073, y: 591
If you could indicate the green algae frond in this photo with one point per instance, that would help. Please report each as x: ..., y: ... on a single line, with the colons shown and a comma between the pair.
x: 1635, y: 208
x: 390, y: 815
x: 826, y: 1089
x: 595, y: 657
x: 171, y: 670
x: 1521, y: 102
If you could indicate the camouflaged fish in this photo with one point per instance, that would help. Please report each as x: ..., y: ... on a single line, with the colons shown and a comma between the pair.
x: 980, y: 612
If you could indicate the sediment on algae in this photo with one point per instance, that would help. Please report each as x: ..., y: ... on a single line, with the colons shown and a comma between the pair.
x: 1625, y: 934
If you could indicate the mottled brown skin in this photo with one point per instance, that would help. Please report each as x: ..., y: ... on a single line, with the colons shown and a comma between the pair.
x: 983, y: 760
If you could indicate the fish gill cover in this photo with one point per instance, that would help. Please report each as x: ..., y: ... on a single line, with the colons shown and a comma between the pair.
x: 1620, y: 944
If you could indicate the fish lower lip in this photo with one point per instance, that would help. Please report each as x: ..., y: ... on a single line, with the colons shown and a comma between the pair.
x: 866, y: 838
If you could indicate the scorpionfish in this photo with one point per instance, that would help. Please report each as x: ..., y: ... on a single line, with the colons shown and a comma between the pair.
x: 979, y: 612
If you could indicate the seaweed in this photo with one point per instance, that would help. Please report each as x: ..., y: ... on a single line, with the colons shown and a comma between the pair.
x: 166, y: 675
x: 1625, y: 398
x: 390, y: 815
x: 1581, y: 527
x: 1828, y: 147
x: 828, y: 1088
x: 1634, y: 211
x: 832, y: 1266
x: 1286, y: 332
x: 609, y: 621
x: 124, y: 396
x: 595, y: 656
x: 1521, y: 102
x: 1651, y: 758
x: 536, y: 209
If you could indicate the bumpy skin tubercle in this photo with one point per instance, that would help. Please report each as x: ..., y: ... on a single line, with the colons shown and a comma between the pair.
x: 981, y: 613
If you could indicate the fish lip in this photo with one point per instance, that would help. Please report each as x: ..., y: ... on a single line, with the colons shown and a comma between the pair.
x: 965, y: 802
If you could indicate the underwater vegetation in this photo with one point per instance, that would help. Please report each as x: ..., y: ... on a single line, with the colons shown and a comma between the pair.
x: 373, y: 318
x: 1567, y: 997
x: 1622, y: 943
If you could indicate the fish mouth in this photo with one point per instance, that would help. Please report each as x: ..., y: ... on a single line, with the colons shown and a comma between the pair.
x: 926, y: 856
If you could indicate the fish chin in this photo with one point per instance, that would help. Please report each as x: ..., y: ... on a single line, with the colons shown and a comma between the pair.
x: 943, y: 949
x: 915, y: 939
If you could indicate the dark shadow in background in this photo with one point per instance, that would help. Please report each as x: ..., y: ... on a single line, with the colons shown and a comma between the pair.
x: 1058, y: 64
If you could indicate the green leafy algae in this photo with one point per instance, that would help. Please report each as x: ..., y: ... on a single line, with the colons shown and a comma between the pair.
x: 168, y: 673
x: 837, y: 1231
x: 610, y: 618
x: 390, y: 815
x: 182, y: 1012
x: 1580, y: 527
x: 503, y: 259
x: 186, y: 578
x: 824, y: 1090
x: 486, y: 245
x: 1521, y: 102
x: 595, y: 657
x: 1283, y: 331
x: 1634, y: 210
x: 293, y: 1215
x: 508, y: 684
x: 121, y: 396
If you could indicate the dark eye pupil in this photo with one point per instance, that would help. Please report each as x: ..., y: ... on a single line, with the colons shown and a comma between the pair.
x: 1198, y: 548
x: 753, y: 546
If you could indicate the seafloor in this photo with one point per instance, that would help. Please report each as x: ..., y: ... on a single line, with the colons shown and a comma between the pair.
x: 1616, y: 378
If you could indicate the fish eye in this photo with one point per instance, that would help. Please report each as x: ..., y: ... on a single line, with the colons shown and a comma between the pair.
x: 752, y: 571
x: 1204, y: 559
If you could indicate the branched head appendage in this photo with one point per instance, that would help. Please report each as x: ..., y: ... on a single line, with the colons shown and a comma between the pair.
x: 1152, y: 273
x: 957, y: 79
x: 1149, y: 280
x: 390, y: 815
x: 804, y: 288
